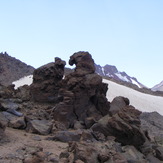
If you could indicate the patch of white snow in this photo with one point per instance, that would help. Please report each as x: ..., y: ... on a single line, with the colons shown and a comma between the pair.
x: 141, y: 101
x: 27, y: 80
x: 134, y: 82
x: 103, y: 71
x: 124, y: 78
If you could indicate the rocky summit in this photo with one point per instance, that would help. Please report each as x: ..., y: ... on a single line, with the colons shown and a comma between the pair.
x: 68, y: 119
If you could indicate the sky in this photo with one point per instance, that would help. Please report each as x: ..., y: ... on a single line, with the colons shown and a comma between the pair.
x: 124, y: 33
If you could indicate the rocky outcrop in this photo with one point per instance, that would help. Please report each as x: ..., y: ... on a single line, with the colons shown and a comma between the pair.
x: 84, y: 94
x: 117, y: 104
x: 153, y: 123
x: 124, y: 126
x: 46, y: 81
x: 83, y: 62
x: 101, y: 152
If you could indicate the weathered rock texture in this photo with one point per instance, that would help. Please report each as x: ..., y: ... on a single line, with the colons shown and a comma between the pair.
x: 153, y: 123
x: 124, y: 126
x: 46, y: 81
x: 42, y: 127
x: 83, y: 93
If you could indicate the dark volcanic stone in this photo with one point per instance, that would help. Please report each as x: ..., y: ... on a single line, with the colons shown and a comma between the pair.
x: 124, y: 126
x: 84, y: 63
x: 118, y: 103
x: 42, y: 127
x: 153, y: 123
x: 84, y: 94
x: 46, y: 81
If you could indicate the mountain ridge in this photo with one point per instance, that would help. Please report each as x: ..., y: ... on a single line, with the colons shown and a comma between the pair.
x: 12, y: 69
x: 111, y: 71
x: 158, y: 87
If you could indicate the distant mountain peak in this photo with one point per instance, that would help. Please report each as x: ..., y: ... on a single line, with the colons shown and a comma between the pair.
x: 112, y: 72
x: 158, y: 87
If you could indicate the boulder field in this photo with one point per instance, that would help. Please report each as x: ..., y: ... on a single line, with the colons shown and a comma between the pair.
x: 74, y: 109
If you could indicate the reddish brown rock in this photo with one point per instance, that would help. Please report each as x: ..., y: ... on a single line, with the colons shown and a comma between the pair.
x: 118, y: 103
x: 84, y: 63
x: 46, y: 81
x: 84, y: 94
x: 124, y: 126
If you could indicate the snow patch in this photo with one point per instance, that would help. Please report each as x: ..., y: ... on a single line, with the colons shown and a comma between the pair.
x: 109, y: 75
x: 134, y: 82
x: 103, y: 71
x: 27, y: 80
x: 141, y: 101
x: 124, y: 78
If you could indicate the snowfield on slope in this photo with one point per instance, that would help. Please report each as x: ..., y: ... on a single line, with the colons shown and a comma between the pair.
x: 141, y: 101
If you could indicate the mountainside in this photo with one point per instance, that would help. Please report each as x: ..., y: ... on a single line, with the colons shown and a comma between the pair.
x: 158, y: 87
x: 142, y: 101
x: 12, y: 69
x: 112, y: 72
x: 96, y: 120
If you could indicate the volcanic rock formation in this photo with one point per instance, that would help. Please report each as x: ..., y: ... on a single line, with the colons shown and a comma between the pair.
x: 46, y: 81
x: 84, y: 94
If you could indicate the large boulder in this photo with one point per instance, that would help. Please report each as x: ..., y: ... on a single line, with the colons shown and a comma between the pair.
x: 83, y: 93
x: 11, y: 106
x: 153, y: 123
x: 12, y: 120
x: 42, y: 127
x: 46, y: 81
x: 117, y: 104
x: 124, y: 126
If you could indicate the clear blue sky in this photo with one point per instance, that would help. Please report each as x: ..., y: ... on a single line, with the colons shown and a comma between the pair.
x: 124, y: 33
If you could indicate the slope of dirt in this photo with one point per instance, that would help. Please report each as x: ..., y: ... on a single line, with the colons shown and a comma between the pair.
x: 17, y: 141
